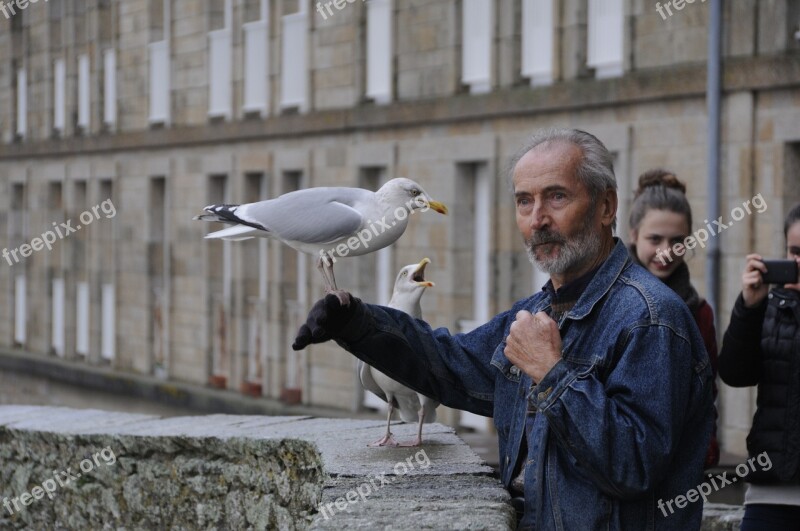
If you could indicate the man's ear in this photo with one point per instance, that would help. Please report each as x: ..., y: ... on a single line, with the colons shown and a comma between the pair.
x: 608, y: 207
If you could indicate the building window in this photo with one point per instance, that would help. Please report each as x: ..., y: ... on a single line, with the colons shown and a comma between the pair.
x: 82, y: 318
x: 474, y: 233
x: 22, y: 102
x: 18, y: 234
x: 20, y: 310
x: 158, y: 258
x: 256, y: 60
x: 476, y: 53
x: 219, y: 252
x: 110, y: 87
x: 379, y: 50
x: 294, y: 59
x: 376, y: 269
x: 538, y: 41
x: 59, y: 99
x: 84, y: 108
x: 605, y: 37
x: 219, y: 59
x: 159, y: 52
x: 256, y: 286
x: 294, y: 272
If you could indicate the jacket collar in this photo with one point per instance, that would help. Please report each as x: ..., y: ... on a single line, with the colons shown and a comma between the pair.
x: 606, y: 275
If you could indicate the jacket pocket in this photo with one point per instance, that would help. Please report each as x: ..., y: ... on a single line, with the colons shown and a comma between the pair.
x: 501, y: 363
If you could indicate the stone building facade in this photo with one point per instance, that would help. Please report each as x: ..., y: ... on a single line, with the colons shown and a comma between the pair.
x: 159, y: 107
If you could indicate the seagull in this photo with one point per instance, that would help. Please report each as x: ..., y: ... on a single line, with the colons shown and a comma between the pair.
x: 408, y: 290
x: 327, y: 222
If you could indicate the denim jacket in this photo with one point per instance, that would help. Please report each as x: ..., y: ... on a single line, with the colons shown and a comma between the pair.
x: 617, y: 428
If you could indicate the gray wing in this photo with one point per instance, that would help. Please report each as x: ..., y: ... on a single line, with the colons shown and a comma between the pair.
x: 313, y: 215
x: 365, y: 375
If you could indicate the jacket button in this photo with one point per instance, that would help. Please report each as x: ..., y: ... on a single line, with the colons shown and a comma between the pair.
x: 542, y: 396
x: 782, y: 302
x: 514, y: 370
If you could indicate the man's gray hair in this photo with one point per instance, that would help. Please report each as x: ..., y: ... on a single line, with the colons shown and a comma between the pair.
x: 596, y: 168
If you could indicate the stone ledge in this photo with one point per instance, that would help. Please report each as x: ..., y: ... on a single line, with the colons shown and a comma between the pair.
x: 239, y: 471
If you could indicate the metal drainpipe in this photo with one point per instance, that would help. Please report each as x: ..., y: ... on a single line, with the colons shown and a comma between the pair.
x: 713, y: 95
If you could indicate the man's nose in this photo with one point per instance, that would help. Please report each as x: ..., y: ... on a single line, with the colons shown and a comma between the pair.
x: 539, y: 218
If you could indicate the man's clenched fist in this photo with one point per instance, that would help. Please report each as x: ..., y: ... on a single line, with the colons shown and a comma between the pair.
x: 533, y: 344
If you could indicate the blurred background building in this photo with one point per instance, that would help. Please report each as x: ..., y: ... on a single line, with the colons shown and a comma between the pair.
x: 164, y: 106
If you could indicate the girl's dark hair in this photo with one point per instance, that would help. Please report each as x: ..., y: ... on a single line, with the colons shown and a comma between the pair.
x: 660, y: 190
x: 791, y: 218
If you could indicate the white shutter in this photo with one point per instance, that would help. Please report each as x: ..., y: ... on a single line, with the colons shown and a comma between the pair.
x: 476, y: 53
x: 110, y: 86
x: 159, y: 81
x: 82, y: 318
x: 537, y: 41
x: 294, y: 70
x: 20, y: 310
x: 108, y: 339
x: 59, y: 87
x: 605, y: 37
x: 83, y: 91
x: 219, y: 72
x: 22, y: 102
x: 256, y: 66
x: 379, y: 50
x: 57, y: 330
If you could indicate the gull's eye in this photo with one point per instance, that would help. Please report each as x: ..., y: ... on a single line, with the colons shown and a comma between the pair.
x: 405, y: 274
x: 415, y: 192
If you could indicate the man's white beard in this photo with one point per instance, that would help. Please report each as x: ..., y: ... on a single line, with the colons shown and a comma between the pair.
x: 571, y: 254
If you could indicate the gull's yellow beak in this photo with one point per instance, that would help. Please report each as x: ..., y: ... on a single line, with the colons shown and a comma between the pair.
x: 419, y: 275
x: 438, y: 207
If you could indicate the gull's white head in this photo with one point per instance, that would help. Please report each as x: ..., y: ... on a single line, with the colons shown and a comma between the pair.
x: 409, y: 287
x: 405, y: 192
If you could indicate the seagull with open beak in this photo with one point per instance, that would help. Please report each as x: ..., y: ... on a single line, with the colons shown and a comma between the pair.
x: 408, y: 290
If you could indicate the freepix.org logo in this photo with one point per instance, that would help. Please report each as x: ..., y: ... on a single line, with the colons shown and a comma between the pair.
x: 49, y: 237
x: 10, y: 8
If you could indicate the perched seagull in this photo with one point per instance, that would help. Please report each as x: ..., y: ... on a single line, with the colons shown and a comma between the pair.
x: 327, y: 222
x: 408, y: 290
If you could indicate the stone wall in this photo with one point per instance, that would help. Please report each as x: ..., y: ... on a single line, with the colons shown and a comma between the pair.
x: 83, y: 469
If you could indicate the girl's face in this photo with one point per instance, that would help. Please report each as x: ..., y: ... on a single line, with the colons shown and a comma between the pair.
x: 658, y: 232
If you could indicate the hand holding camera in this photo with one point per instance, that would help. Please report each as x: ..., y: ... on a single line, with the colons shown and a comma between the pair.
x: 759, y: 274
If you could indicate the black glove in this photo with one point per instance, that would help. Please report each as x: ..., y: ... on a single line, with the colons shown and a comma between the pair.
x: 325, y: 320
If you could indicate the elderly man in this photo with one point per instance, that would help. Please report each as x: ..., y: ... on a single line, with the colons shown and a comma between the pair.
x: 599, y: 384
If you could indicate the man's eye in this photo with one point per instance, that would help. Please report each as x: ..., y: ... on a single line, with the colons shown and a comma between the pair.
x: 559, y: 196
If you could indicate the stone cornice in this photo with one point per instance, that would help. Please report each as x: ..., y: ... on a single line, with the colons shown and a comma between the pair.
x: 657, y: 84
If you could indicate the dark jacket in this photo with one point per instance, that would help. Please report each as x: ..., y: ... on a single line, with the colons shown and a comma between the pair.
x: 762, y: 347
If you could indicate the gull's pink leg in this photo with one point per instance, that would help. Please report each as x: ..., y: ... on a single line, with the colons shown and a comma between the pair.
x: 326, y: 268
x: 388, y: 439
x: 418, y: 440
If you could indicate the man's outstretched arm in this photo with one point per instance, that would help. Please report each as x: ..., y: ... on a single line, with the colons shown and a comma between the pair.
x: 455, y: 370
